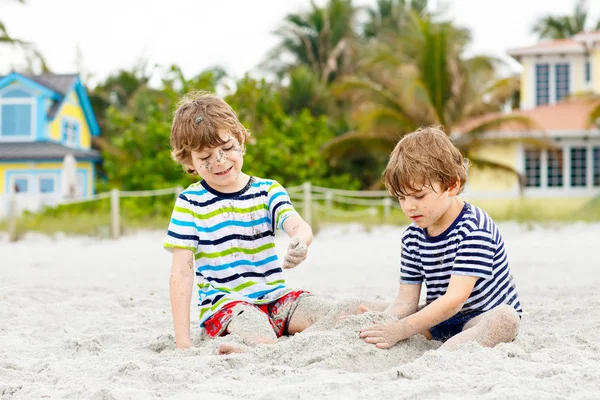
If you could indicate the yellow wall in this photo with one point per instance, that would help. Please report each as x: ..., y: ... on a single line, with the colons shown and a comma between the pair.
x: 595, y: 60
x: 577, y: 68
x: 492, y: 179
x: 526, y: 89
x: 71, y: 109
x: 31, y: 166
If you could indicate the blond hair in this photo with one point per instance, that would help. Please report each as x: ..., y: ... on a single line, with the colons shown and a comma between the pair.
x: 422, y: 158
x: 196, y: 124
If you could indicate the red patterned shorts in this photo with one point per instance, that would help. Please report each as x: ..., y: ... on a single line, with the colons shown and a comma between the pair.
x: 279, y: 313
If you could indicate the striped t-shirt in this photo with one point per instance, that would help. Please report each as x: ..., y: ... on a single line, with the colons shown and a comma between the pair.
x: 471, y: 246
x: 233, y: 238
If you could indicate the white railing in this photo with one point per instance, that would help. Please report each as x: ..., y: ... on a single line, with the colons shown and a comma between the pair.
x: 310, y: 198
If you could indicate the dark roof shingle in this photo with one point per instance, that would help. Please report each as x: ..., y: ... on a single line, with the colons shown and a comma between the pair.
x: 60, y: 83
x: 43, y: 151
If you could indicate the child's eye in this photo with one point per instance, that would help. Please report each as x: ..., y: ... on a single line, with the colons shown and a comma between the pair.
x: 204, y: 158
x: 229, y: 148
x: 419, y: 197
x: 401, y: 198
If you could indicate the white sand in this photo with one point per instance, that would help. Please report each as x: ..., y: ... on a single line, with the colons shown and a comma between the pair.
x: 82, y: 318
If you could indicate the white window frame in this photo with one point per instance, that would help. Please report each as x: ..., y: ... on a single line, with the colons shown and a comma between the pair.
x: 566, y: 190
x: 16, y: 101
x: 15, y: 177
x: 71, y: 141
x: 552, y: 60
x: 47, y: 176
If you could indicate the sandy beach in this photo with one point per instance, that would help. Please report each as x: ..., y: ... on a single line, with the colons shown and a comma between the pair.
x: 88, y: 318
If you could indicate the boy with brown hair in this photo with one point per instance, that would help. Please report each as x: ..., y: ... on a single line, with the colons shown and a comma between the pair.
x: 452, y: 246
x: 222, y: 231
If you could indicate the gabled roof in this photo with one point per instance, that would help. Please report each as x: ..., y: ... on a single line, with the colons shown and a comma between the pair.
x: 578, y: 44
x: 567, y: 117
x: 43, y: 151
x: 60, y: 83
x: 564, y: 46
x: 57, y: 86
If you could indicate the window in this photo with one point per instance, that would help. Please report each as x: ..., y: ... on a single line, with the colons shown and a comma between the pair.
x: 70, y: 132
x: 21, y: 185
x: 555, y: 168
x: 562, y: 81
x: 578, y: 166
x: 532, y: 168
x: 16, y: 120
x: 46, y: 185
x: 542, y: 84
x: 17, y: 109
x: 596, y: 159
x: 588, y: 71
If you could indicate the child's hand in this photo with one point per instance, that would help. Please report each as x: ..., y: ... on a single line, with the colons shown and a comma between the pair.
x: 296, y: 253
x: 385, y: 335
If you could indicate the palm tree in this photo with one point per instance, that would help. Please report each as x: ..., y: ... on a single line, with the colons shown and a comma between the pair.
x: 391, y: 16
x: 422, y: 79
x: 564, y: 26
x: 320, y: 39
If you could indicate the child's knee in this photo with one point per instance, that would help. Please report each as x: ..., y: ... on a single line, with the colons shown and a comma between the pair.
x: 509, y: 318
x: 251, y: 324
x: 505, y: 323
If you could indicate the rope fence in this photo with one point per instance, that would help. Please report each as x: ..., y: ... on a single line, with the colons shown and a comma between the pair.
x: 311, y: 200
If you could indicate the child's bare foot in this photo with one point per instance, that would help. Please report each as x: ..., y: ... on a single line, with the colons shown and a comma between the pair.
x: 231, y: 348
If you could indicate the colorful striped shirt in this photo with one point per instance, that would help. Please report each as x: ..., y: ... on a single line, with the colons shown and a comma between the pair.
x: 233, y: 238
x: 471, y: 246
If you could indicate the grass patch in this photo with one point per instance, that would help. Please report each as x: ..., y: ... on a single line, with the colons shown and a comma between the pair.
x: 153, y: 213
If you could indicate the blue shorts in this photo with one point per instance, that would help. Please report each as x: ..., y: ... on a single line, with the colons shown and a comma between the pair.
x: 452, y: 326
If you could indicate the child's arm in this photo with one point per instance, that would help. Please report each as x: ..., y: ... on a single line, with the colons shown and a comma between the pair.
x: 302, y: 235
x: 407, y: 301
x: 387, y: 335
x: 405, y: 304
x: 295, y: 226
x: 181, y: 282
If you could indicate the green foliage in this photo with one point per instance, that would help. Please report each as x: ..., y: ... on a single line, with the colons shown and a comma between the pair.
x: 283, y: 147
x: 565, y: 26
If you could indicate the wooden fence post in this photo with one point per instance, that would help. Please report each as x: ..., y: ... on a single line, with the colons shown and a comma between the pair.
x: 328, y: 203
x: 12, y: 218
x: 307, y: 202
x: 387, y: 207
x: 115, y: 220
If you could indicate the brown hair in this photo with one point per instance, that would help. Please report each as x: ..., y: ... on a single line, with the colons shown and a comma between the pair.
x: 422, y: 158
x: 196, y: 124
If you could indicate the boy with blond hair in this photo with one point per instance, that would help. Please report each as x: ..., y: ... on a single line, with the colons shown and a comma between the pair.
x: 222, y: 231
x: 452, y: 246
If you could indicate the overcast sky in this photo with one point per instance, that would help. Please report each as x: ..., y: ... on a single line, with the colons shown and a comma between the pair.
x: 235, y: 34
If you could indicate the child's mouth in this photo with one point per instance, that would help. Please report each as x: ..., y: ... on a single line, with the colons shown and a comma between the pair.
x: 416, y: 217
x: 224, y: 172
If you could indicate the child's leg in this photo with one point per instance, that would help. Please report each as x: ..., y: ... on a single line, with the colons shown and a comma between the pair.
x: 309, y: 310
x: 498, y: 325
x: 252, y: 325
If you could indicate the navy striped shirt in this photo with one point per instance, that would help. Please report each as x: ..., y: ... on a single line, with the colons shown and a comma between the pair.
x: 471, y: 246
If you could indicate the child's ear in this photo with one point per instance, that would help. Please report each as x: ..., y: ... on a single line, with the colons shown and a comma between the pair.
x: 454, y: 187
x: 190, y: 169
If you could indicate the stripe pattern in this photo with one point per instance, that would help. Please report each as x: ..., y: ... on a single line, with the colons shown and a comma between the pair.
x: 471, y: 246
x: 232, y: 236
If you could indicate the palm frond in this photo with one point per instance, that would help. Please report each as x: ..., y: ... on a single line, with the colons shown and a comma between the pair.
x: 353, y: 144
x: 369, y: 91
x: 594, y: 117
